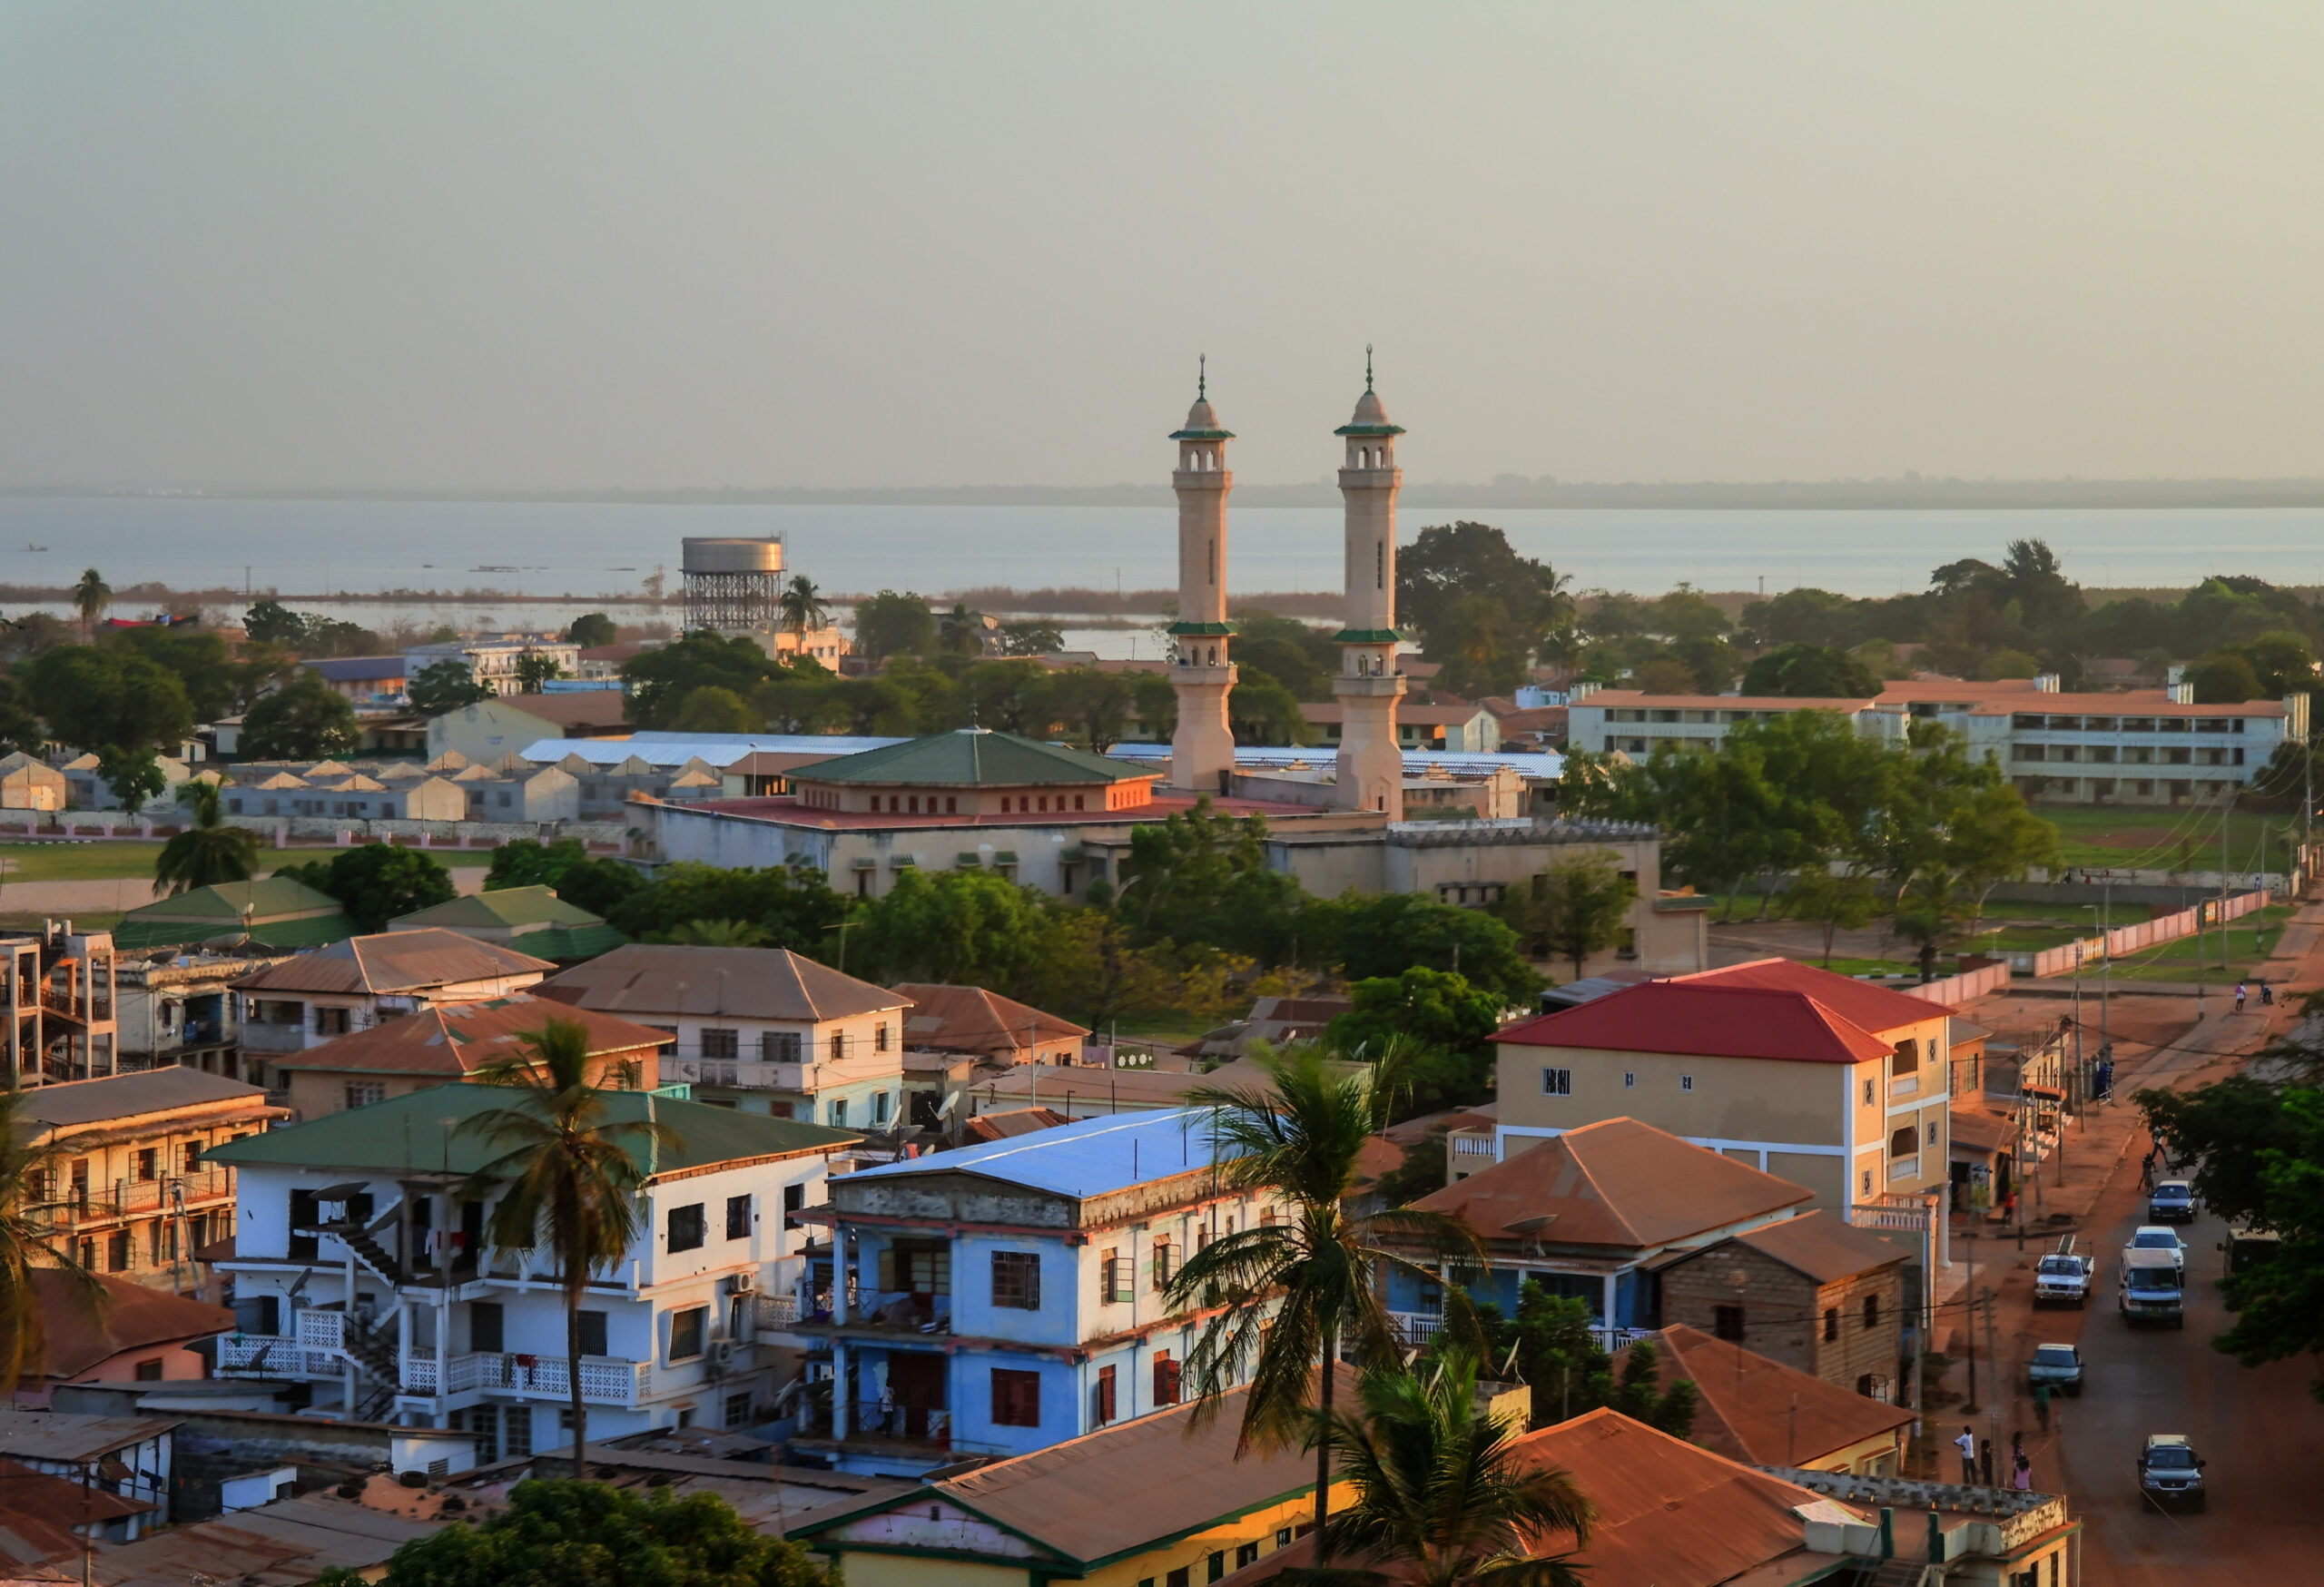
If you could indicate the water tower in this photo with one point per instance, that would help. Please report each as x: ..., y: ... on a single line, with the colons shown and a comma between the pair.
x: 731, y: 584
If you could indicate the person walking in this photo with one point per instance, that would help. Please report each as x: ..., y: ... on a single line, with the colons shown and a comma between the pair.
x: 1967, y: 1445
x: 1986, y: 1461
x: 2022, y: 1479
x: 2242, y: 991
x: 2267, y: 995
x: 2146, y: 1170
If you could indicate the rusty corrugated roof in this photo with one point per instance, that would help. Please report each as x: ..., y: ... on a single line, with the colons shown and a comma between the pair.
x: 1824, y: 1248
x: 647, y: 979
x: 1761, y: 1412
x: 395, y: 962
x: 458, y: 1039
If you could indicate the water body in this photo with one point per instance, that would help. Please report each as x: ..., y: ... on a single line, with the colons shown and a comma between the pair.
x: 594, y: 548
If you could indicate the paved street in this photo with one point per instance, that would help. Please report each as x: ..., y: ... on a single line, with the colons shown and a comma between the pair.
x: 2261, y: 1432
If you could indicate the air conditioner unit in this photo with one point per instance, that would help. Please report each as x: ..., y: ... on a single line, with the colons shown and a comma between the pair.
x: 742, y: 1283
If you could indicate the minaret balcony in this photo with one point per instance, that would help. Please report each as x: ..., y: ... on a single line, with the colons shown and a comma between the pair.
x: 1360, y: 479
x: 1202, y: 479
x: 1375, y: 685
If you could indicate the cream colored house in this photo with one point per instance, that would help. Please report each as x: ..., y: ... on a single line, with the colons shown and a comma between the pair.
x: 26, y: 783
x: 1834, y: 1084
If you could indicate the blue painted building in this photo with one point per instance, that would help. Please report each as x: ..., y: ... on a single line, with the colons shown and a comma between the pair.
x: 1596, y: 1214
x: 997, y: 1299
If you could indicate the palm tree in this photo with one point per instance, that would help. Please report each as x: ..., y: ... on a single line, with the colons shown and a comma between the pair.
x: 802, y: 604
x: 1283, y: 1295
x: 91, y: 596
x: 28, y: 1175
x: 568, y: 1177
x: 209, y: 851
x: 1444, y: 1493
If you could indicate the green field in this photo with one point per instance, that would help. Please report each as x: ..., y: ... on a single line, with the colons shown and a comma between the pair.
x: 2181, y: 839
x: 96, y: 919
x: 101, y: 859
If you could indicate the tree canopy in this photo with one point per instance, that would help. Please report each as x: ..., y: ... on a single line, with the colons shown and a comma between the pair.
x: 378, y: 882
x: 585, y: 881
x: 307, y: 720
x: 793, y: 905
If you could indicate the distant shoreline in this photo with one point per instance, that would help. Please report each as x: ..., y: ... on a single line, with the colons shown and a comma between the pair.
x: 1846, y: 495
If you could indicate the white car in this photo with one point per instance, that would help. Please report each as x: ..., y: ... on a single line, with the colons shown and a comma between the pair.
x: 2155, y: 1236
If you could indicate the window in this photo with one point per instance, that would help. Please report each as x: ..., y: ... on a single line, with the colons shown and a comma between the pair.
x: 686, y: 1330
x: 1556, y: 1082
x: 688, y: 1227
x: 150, y: 1370
x: 1246, y: 1555
x: 1865, y: 1183
x: 190, y: 1162
x: 148, y: 1165
x: 1868, y: 1098
x: 880, y: 1037
x: 593, y: 1333
x: 486, y: 1325
x: 1165, y: 1255
x: 837, y: 1045
x: 1831, y: 1323
x: 1686, y: 1082
x: 1629, y: 1081
x: 717, y: 1043
x: 794, y: 1202
x: 1016, y: 1281
x: 738, y: 1217
x: 1102, y: 1411
x: 1116, y: 1273
x: 779, y: 1047
x: 1166, y: 1380
x: 839, y: 1112
x: 1181, y: 1577
x: 1218, y: 1566
x: 1871, y: 1311
x: 515, y: 1430
x: 738, y: 1411
x: 1016, y: 1398
x: 881, y: 1102
x: 1727, y: 1322
x: 363, y: 1093
x: 1905, y: 1058
x: 331, y: 1022
x: 1932, y: 1135
x: 1904, y: 1142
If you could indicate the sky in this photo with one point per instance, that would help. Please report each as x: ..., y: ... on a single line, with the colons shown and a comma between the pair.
x: 570, y: 246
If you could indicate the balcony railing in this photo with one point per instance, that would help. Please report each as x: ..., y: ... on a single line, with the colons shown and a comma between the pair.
x: 265, y: 1038
x: 1910, y: 1086
x: 904, y: 1424
x: 606, y: 1380
x: 774, y: 1311
x: 1902, y: 1168
x: 746, y: 1073
x: 1418, y: 1329
x: 274, y: 1355
x: 130, y: 1197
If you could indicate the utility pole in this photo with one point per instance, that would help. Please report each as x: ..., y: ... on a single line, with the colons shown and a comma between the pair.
x: 1969, y: 1305
x: 1994, y: 1362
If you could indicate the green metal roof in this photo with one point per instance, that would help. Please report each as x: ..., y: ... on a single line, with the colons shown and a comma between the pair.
x: 1204, y: 629
x: 1202, y: 435
x: 1367, y: 637
x: 1363, y: 429
x: 280, y: 911
x: 569, y: 942
x: 971, y: 757
x: 407, y: 1133
x: 506, y: 906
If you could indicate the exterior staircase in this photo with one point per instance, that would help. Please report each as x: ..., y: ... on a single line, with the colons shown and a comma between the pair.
x: 371, y: 1253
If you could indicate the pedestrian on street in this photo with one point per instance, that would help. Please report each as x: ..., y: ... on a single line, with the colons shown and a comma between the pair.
x: 2146, y: 1170
x: 2017, y: 1445
x: 2042, y: 1405
x: 2242, y: 991
x: 1986, y: 1461
x: 1967, y: 1445
x: 2267, y: 995
x: 2022, y: 1479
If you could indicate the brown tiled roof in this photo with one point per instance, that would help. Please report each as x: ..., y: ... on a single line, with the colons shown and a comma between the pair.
x: 1616, y: 1183
x: 1761, y: 1412
x: 457, y: 1039
x: 645, y: 980
x: 84, y: 1329
x: 1670, y: 1514
x: 1822, y: 1247
x: 969, y: 1019
x: 1007, y: 1126
x: 72, y: 1104
x: 394, y: 962
x: 1178, y: 1477
x: 576, y: 708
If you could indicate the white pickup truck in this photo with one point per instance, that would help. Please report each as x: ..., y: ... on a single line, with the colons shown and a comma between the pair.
x: 2064, y: 1277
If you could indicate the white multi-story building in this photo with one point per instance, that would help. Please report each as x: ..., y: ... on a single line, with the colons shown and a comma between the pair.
x: 2136, y: 746
x: 491, y: 658
x: 362, y: 1265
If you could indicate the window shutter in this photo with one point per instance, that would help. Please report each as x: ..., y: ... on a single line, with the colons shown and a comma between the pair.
x: 887, y: 1269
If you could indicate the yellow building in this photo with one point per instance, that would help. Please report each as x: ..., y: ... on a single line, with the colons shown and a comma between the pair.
x: 1142, y: 1503
x: 1831, y: 1083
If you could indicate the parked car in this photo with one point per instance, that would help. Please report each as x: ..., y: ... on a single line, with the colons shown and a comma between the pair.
x: 2154, y: 1236
x: 2170, y: 1471
x: 2171, y: 1201
x: 2064, y: 1277
x: 2058, y: 1366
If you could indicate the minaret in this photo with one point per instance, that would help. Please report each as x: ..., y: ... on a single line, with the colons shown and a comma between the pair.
x: 1202, y: 750
x: 1371, y: 764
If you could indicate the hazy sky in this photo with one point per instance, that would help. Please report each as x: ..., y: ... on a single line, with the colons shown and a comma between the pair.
x: 576, y: 246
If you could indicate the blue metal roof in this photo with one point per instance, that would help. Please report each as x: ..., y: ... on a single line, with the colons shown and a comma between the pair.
x: 1091, y: 1158
x: 1543, y: 764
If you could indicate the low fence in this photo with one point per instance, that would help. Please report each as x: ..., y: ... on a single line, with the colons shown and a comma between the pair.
x: 1965, y: 987
x: 343, y: 832
x: 2088, y: 950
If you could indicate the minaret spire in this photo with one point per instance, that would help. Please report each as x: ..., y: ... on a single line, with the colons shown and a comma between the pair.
x: 1371, y: 763
x: 1202, y: 746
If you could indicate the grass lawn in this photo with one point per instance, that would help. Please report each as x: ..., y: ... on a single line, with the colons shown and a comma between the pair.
x: 2168, y: 839
x: 96, y: 919
x: 96, y: 861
